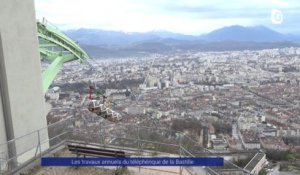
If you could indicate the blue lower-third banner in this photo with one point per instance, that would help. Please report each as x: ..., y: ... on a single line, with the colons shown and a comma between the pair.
x: 132, y: 161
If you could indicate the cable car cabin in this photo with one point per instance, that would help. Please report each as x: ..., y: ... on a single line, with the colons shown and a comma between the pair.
x: 94, y: 106
x: 116, y: 116
x: 112, y: 116
x: 102, y: 110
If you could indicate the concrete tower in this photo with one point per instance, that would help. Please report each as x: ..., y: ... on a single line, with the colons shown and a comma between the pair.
x: 22, y: 104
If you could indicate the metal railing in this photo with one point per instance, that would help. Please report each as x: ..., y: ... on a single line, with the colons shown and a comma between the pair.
x: 32, y: 146
x: 139, y: 140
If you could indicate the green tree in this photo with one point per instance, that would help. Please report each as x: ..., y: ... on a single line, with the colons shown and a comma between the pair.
x: 290, y: 157
x: 263, y: 172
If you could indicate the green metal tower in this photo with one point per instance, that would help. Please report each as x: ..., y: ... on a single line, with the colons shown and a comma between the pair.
x: 57, y: 48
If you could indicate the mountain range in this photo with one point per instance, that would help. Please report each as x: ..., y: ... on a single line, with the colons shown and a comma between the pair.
x: 101, y: 43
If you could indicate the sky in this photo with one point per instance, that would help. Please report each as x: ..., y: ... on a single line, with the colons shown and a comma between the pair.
x: 192, y: 17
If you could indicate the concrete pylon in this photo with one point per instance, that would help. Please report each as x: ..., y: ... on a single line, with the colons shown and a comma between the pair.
x: 22, y: 104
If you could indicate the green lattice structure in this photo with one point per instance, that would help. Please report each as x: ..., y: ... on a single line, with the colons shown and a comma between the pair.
x: 57, y: 48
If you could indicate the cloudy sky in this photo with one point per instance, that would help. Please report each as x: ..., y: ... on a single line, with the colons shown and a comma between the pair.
x: 180, y: 16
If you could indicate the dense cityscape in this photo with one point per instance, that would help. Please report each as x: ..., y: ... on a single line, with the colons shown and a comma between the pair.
x: 229, y: 102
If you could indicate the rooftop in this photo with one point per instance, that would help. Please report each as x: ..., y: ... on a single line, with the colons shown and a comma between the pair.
x: 253, y: 162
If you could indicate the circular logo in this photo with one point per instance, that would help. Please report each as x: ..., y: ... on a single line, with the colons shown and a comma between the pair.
x: 276, y: 16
